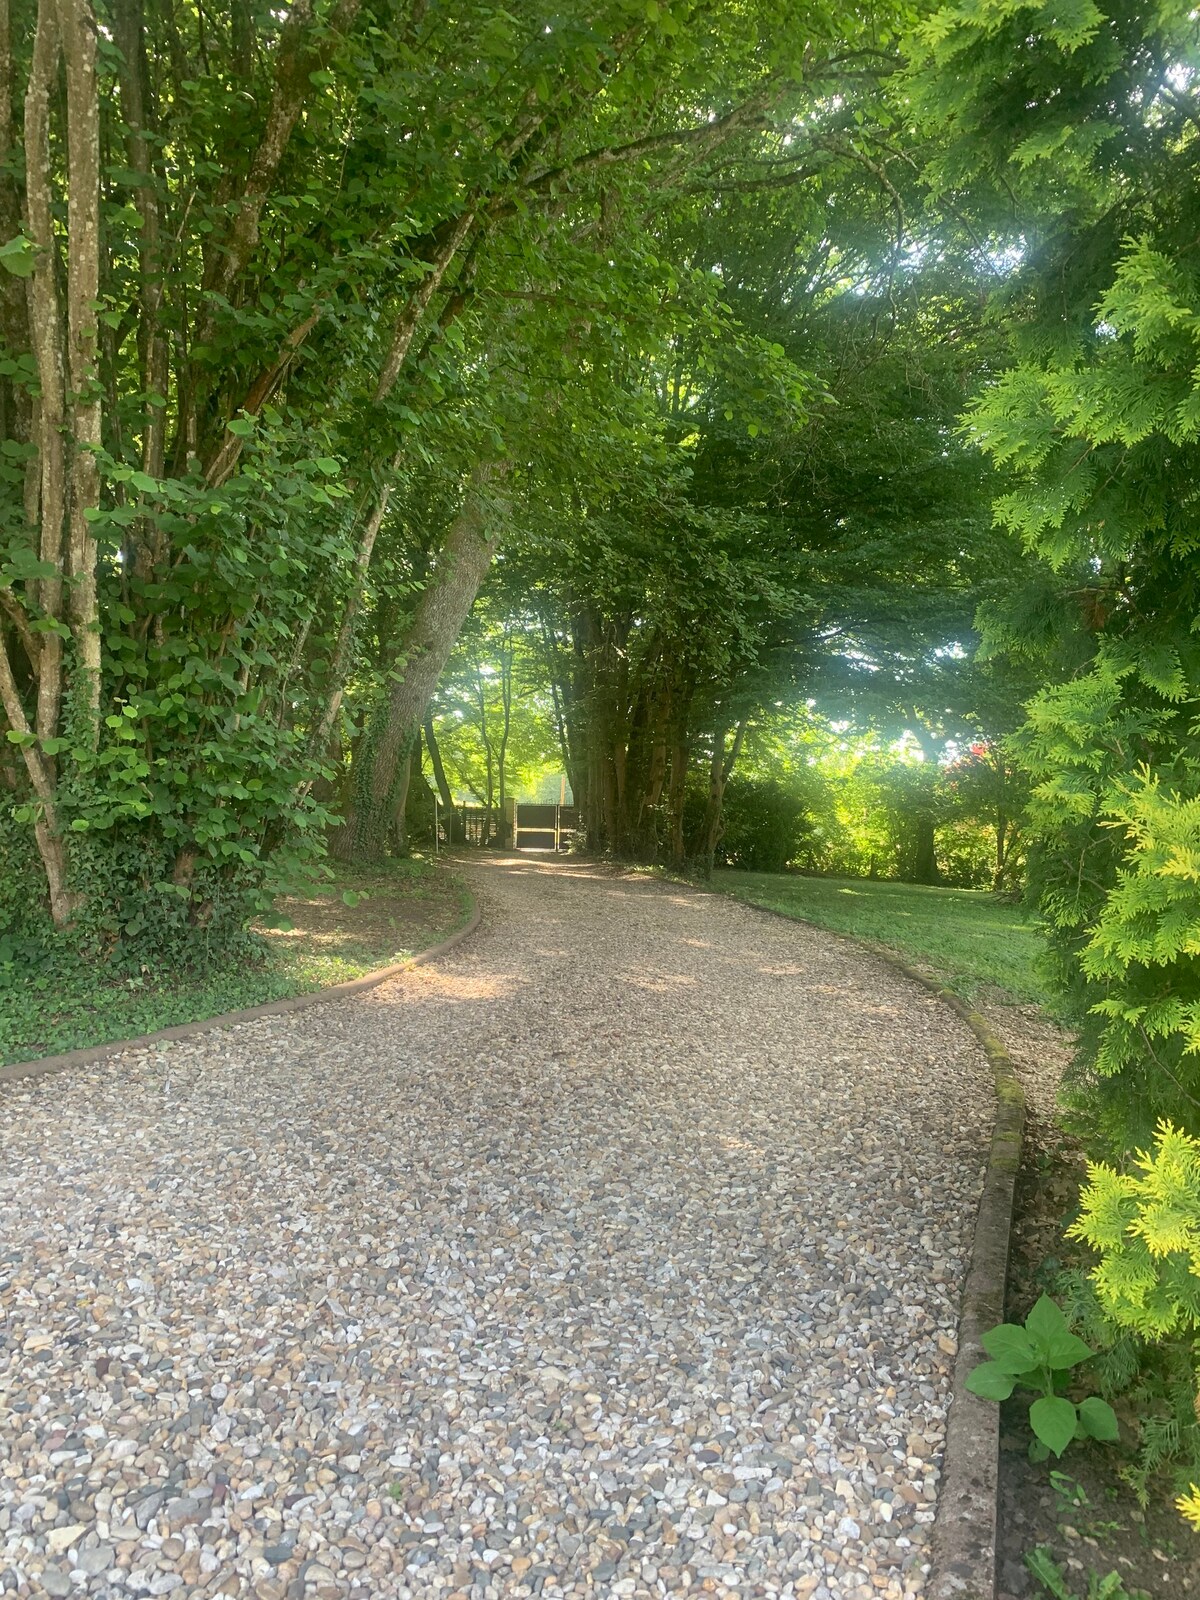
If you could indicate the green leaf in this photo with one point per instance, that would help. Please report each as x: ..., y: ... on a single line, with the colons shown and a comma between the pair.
x: 1011, y: 1348
x: 24, y: 564
x: 349, y: 898
x: 17, y: 257
x: 1053, y: 1421
x: 1099, y: 1420
x: 1066, y: 1350
x: 1054, y: 1342
x: 1046, y: 1319
x: 1047, y: 1572
x: 50, y: 625
x: 990, y: 1381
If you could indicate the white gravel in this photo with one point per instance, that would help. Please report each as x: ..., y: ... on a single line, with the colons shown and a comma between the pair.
x: 618, y: 1253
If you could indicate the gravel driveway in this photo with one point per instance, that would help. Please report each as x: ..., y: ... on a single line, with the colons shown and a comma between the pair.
x: 617, y: 1253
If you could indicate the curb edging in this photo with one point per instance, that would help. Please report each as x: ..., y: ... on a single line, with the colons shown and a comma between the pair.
x: 963, y: 1542
x: 42, y: 1066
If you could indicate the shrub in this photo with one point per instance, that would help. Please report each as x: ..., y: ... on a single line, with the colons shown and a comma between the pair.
x: 766, y: 825
x: 1145, y: 1226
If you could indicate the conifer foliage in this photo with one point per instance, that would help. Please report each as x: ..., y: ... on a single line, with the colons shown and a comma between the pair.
x: 1071, y: 131
x: 1069, y: 140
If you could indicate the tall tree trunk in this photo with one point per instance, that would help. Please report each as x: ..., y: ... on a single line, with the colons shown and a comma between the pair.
x: 402, y: 782
x: 129, y: 32
x: 459, y: 569
x: 562, y: 698
x: 83, y: 290
x: 15, y: 408
x: 682, y: 694
x: 343, y: 650
x: 1001, y: 850
x: 602, y: 699
x: 925, y: 869
x: 652, y: 762
x: 45, y: 322
x: 443, y: 786
x: 588, y: 789
x: 676, y: 794
x: 47, y: 497
x: 1007, y: 827
x: 721, y: 766
x: 485, y: 738
x: 506, y: 672
x: 241, y: 30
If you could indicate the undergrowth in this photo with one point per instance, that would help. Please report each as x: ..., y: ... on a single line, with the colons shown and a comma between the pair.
x: 51, y: 1000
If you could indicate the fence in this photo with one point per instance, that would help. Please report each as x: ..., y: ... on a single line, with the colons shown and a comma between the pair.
x: 530, y: 827
x: 544, y: 827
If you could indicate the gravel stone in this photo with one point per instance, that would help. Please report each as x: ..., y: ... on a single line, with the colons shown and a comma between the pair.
x: 95, y: 1560
x: 182, y: 1511
x: 616, y: 1253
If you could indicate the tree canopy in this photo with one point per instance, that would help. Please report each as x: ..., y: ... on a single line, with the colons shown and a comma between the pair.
x: 783, y: 418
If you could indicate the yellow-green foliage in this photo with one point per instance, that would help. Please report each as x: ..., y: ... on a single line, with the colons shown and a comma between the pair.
x: 1145, y: 1225
x: 1149, y: 923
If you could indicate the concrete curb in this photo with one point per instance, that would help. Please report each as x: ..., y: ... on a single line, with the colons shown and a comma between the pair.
x: 963, y: 1546
x: 44, y: 1065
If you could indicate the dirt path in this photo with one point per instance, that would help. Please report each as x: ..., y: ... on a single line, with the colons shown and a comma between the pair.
x: 616, y: 1254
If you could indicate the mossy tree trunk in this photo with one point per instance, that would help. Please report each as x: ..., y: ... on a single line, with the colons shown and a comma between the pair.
x: 392, y: 730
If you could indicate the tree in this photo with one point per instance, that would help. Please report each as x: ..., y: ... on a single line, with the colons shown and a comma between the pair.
x: 1069, y: 140
x: 1092, y: 134
x: 257, y: 274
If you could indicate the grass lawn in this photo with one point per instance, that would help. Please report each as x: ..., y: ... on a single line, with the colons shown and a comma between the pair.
x: 967, y: 934
x: 406, y: 907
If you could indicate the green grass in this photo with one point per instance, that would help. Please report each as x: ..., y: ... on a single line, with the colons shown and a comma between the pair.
x: 406, y: 907
x: 967, y: 934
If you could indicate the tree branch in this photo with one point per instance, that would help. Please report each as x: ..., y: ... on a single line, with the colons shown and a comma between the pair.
x: 15, y: 613
x: 35, y: 764
x: 301, y: 52
x: 229, y: 451
x: 748, y: 116
x: 456, y: 232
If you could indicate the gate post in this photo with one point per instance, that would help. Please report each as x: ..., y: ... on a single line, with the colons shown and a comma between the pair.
x: 508, y: 826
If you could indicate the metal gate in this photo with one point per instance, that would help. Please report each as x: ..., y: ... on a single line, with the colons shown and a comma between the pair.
x: 544, y: 827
